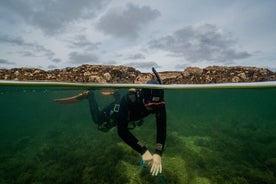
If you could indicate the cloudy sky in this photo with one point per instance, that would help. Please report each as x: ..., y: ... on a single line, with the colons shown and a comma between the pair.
x: 169, y: 35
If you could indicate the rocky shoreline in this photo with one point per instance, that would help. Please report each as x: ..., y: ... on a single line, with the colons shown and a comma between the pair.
x: 123, y: 74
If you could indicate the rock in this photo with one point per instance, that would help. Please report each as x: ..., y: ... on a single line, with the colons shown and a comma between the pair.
x: 107, y: 76
x: 192, y: 71
x: 235, y: 79
x: 123, y: 74
x: 16, y: 73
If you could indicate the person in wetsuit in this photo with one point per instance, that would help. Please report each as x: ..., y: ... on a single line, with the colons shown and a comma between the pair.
x: 135, y: 106
x: 130, y: 109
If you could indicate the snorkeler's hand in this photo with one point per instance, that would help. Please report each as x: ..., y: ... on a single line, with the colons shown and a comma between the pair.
x: 147, y: 157
x: 156, y: 166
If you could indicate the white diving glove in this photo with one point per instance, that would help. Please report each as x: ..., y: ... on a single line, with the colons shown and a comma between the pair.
x: 147, y: 157
x: 156, y: 166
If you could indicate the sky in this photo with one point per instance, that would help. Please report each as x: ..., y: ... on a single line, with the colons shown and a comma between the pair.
x: 167, y: 35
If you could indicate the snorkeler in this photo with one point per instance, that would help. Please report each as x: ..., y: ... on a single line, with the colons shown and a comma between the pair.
x: 130, y: 109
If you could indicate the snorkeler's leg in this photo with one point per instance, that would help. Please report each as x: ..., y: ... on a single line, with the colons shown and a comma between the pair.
x: 93, y: 107
x: 117, y: 96
x: 103, y: 118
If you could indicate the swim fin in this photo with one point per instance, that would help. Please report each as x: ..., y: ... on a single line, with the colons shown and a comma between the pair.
x: 73, y: 99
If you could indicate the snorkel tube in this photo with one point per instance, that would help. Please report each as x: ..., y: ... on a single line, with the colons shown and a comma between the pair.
x: 157, y: 75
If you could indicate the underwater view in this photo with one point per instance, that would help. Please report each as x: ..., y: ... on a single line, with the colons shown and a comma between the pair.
x: 214, y: 136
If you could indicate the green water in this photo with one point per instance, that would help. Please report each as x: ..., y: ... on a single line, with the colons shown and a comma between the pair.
x: 214, y: 136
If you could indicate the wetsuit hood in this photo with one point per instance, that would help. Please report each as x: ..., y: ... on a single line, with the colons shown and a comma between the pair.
x: 152, y: 97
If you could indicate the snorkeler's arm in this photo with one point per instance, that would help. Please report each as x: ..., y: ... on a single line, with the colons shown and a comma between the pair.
x: 161, y: 125
x: 124, y: 132
x: 73, y: 99
x: 156, y: 164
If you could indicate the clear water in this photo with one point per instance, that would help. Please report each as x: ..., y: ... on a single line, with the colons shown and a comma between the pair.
x: 214, y: 136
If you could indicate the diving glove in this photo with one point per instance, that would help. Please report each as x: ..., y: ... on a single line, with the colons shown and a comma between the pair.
x: 147, y: 157
x: 156, y: 166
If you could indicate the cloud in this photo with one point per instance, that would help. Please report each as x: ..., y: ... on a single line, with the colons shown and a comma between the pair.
x: 51, y: 16
x: 27, y: 48
x: 143, y: 65
x: 81, y: 41
x: 201, y: 43
x: 6, y: 62
x: 56, y: 60
x: 181, y: 66
x: 136, y: 56
x: 82, y: 58
x: 128, y: 21
x: 52, y: 67
x: 11, y: 40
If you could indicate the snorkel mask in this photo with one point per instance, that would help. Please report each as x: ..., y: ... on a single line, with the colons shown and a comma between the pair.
x: 153, y: 97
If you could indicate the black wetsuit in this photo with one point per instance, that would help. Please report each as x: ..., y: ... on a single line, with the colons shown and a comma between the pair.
x: 135, y: 111
x: 121, y: 112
